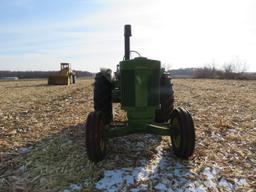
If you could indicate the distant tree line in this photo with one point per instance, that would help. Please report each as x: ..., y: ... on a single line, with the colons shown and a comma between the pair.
x: 182, y: 73
x: 232, y: 70
x: 228, y: 71
x: 38, y: 74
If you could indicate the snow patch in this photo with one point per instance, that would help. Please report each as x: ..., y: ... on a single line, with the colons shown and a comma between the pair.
x: 224, y: 183
x: 241, y: 181
x: 73, y: 187
x: 211, y: 173
x: 118, y: 177
x: 161, y: 187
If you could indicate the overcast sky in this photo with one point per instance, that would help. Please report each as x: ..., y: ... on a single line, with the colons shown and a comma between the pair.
x: 40, y: 34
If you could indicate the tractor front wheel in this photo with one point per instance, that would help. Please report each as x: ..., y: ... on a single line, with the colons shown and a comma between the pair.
x: 182, y: 133
x: 95, y: 136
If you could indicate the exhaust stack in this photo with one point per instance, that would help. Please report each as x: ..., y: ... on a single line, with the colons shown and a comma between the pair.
x: 127, y: 34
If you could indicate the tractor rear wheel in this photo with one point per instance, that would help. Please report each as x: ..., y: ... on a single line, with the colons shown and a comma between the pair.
x: 73, y: 79
x: 103, y: 96
x: 183, y: 133
x: 95, y: 136
x: 166, y: 99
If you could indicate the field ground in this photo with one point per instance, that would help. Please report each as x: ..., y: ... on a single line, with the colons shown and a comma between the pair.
x: 42, y: 141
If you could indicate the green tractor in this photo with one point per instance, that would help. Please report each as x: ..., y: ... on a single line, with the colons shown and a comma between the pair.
x: 146, y: 94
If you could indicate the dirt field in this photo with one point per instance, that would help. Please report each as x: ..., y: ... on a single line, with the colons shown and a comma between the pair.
x: 42, y: 141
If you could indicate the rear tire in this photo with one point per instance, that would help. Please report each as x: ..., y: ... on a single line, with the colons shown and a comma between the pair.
x: 73, y: 79
x: 183, y: 133
x: 166, y: 99
x: 103, y: 97
x: 95, y: 136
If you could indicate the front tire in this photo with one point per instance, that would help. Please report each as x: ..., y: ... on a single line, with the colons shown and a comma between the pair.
x: 95, y: 136
x: 183, y: 133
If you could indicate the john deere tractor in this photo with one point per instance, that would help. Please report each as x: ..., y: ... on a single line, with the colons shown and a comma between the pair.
x: 145, y: 92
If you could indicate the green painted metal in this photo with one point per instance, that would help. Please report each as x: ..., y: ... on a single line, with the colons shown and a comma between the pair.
x: 140, y: 90
x: 127, y: 129
x: 140, y: 79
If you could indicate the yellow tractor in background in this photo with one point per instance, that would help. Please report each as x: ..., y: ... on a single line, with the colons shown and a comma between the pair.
x: 64, y: 77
